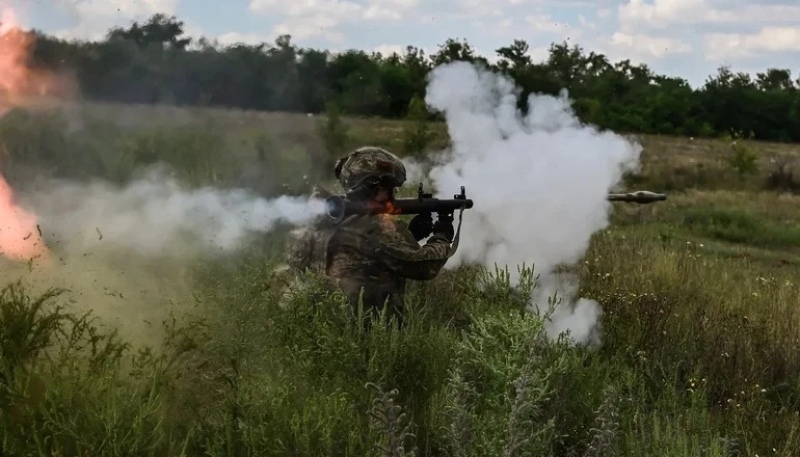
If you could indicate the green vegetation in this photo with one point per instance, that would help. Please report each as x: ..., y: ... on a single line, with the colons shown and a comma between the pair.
x: 699, y: 352
x: 154, y: 62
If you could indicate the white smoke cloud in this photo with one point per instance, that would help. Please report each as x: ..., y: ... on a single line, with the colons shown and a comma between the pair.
x: 539, y: 183
x: 417, y: 172
x: 127, y: 253
x: 157, y: 216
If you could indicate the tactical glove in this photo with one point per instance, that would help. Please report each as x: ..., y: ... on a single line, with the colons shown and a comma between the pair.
x: 421, y: 226
x: 444, y: 227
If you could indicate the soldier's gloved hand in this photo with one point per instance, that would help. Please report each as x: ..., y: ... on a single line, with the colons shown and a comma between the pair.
x: 444, y: 227
x: 421, y: 226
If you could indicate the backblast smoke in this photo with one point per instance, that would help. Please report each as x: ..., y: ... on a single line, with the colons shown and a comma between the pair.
x: 156, y: 216
x: 125, y: 252
x: 122, y: 252
x: 539, y: 183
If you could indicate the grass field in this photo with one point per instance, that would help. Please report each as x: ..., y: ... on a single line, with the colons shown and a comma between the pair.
x: 700, y: 350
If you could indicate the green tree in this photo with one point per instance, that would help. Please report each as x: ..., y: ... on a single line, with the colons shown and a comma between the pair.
x: 155, y: 62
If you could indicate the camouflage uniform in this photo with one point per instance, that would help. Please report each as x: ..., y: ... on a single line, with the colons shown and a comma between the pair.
x: 369, y: 256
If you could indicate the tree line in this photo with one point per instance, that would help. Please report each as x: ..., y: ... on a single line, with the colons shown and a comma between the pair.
x: 155, y: 62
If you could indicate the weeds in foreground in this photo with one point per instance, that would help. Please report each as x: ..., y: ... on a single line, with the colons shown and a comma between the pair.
x: 699, y: 352
x: 261, y: 379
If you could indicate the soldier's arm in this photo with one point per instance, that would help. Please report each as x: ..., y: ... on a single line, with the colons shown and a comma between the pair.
x: 396, y: 248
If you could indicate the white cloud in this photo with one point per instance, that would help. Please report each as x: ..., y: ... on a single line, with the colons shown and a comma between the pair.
x: 724, y: 46
x: 94, y: 17
x: 389, y: 49
x: 723, y: 30
x: 660, y: 14
x: 124, y: 8
x: 479, y: 9
x: 312, y: 18
x: 231, y: 38
x: 388, y: 10
x: 309, y: 27
x: 644, y: 47
x: 299, y: 8
x: 595, y: 36
x: 665, y: 14
x: 545, y: 23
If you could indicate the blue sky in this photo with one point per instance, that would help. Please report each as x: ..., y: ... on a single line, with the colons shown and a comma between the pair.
x: 686, y: 38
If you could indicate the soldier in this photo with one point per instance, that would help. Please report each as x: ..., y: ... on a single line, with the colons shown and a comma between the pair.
x: 370, y: 257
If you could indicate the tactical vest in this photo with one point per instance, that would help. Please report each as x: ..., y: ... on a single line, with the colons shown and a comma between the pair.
x: 311, y: 250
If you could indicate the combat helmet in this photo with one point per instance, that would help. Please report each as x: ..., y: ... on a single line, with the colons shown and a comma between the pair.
x: 368, y: 168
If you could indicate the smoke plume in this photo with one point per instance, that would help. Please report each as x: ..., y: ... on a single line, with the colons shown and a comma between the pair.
x: 539, y: 183
x: 124, y: 252
x: 156, y: 216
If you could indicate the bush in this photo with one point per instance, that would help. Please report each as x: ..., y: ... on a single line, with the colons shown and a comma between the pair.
x: 740, y: 227
x: 698, y: 350
x: 782, y: 177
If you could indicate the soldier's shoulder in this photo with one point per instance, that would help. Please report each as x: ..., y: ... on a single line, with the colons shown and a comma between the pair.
x: 373, y: 223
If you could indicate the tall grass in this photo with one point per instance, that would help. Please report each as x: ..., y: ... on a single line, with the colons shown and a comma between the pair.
x: 699, y: 354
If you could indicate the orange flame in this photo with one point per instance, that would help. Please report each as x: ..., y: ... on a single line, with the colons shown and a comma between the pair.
x: 385, y: 213
x: 20, y: 237
x: 389, y: 208
x: 19, y: 82
x: 383, y: 208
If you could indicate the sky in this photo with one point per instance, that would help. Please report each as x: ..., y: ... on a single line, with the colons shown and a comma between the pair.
x: 690, y: 39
